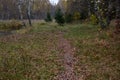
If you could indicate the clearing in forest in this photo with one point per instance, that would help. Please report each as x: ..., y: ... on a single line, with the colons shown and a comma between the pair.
x: 47, y: 51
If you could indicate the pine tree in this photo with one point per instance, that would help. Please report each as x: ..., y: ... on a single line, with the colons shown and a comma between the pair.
x: 68, y: 18
x: 59, y: 17
x: 48, y: 18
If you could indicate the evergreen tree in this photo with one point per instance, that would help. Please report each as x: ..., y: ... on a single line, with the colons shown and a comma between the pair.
x: 48, y: 18
x: 68, y: 18
x: 59, y: 17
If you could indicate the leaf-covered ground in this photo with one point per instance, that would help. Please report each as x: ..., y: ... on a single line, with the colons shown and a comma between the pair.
x: 33, y: 53
x: 97, y: 52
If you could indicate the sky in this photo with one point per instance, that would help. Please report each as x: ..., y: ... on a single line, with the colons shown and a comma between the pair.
x: 54, y: 1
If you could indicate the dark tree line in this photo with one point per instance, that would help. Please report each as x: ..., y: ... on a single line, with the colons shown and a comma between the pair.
x: 104, y: 10
x: 22, y: 9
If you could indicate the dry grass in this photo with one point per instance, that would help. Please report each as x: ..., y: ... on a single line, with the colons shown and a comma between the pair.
x: 32, y: 54
x: 29, y: 56
x: 97, y: 53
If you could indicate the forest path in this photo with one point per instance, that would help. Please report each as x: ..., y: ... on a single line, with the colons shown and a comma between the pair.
x: 67, y: 53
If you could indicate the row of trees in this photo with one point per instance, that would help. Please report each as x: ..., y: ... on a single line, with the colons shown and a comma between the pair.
x: 9, y: 9
x: 24, y: 9
x: 101, y: 10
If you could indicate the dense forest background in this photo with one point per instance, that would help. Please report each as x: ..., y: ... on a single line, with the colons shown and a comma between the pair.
x: 38, y: 8
x: 102, y: 10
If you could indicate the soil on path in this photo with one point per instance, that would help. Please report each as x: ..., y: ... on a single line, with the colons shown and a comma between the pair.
x: 67, y: 53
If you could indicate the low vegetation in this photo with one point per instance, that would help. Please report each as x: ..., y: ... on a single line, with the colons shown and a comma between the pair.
x: 29, y: 56
x: 97, y: 52
x: 10, y: 25
x: 34, y: 55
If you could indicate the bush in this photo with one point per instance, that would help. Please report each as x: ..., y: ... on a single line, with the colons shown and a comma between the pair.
x: 83, y: 15
x: 93, y: 19
x: 76, y: 16
x: 68, y: 18
x: 48, y: 17
x: 11, y: 25
x: 59, y: 17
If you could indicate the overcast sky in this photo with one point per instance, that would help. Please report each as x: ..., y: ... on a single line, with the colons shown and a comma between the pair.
x: 54, y: 1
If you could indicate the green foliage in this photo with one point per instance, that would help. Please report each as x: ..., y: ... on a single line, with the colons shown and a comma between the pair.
x: 93, y: 19
x: 48, y: 17
x: 59, y: 17
x: 83, y: 15
x: 102, y: 24
x: 11, y: 25
x: 76, y: 16
x: 68, y: 18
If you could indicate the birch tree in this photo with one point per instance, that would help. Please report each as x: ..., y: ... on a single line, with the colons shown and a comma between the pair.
x: 20, y: 2
x: 28, y: 11
x: 20, y: 9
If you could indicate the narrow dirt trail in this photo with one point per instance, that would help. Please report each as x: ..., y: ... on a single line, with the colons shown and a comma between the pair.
x: 67, y: 52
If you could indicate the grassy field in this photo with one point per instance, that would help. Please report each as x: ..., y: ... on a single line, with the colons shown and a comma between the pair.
x: 29, y: 55
x: 32, y: 53
x: 97, y: 52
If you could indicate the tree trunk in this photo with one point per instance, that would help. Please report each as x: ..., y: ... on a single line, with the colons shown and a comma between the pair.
x: 20, y: 11
x: 118, y: 16
x: 108, y: 18
x: 89, y: 7
x: 29, y: 12
x: 117, y: 9
x: 98, y: 15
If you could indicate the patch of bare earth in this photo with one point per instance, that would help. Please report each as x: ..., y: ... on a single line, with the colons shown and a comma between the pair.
x: 67, y: 54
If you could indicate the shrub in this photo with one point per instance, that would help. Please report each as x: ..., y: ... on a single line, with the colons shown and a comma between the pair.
x: 11, y: 25
x: 76, y: 16
x: 83, y: 15
x: 48, y: 17
x: 14, y: 25
x: 68, y: 18
x: 59, y: 17
x: 117, y: 25
x: 93, y: 19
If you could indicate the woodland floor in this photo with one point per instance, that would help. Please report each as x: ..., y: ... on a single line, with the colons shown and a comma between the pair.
x: 68, y: 59
x: 47, y: 51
